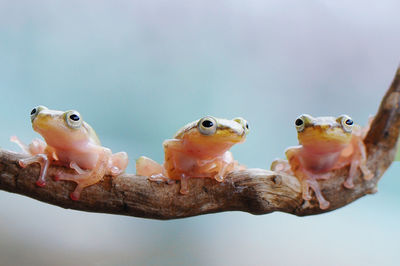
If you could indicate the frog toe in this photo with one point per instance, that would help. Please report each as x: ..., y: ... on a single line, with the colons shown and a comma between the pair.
x: 219, y: 178
x: 367, y: 174
x: 324, y: 205
x: 75, y: 196
x: 348, y: 183
x: 40, y: 183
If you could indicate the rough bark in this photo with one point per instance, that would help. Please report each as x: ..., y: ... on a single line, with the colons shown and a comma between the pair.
x: 255, y: 191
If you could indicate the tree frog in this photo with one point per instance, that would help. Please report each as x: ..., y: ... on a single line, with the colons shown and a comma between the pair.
x: 326, y: 143
x: 199, y: 149
x: 71, y: 142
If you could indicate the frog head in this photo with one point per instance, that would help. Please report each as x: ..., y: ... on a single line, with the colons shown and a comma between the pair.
x: 324, y: 134
x: 213, y: 135
x: 62, y: 129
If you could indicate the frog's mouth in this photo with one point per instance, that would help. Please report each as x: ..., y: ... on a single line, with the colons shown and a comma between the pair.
x: 324, y: 139
x: 230, y: 135
x: 44, y: 123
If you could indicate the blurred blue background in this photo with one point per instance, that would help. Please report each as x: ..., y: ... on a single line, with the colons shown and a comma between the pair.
x: 139, y: 70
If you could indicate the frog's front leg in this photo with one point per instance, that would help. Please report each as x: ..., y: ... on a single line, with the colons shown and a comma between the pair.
x: 226, y: 165
x: 77, y: 168
x: 83, y: 178
x: 358, y: 160
x: 220, y: 176
x: 218, y: 167
x: 41, y: 153
x: 348, y: 183
x: 307, y: 179
x: 311, y: 182
x: 368, y: 175
x: 44, y: 162
x: 184, y: 184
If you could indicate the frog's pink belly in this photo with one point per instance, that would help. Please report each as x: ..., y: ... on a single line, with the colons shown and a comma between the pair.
x: 319, y: 163
x: 84, y: 160
x: 192, y: 167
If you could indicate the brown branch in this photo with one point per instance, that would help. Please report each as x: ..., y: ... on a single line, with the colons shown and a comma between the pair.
x: 255, y: 191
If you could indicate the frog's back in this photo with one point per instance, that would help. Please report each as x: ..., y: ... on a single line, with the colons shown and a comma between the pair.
x: 181, y: 132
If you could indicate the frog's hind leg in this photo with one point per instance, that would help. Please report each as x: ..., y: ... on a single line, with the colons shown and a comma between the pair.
x: 118, y: 163
x: 154, y: 171
x: 280, y: 165
x: 148, y: 167
x: 36, y: 147
x: 23, y: 146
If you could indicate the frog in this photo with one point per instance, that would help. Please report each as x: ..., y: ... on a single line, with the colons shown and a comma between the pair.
x: 70, y: 142
x: 325, y: 144
x: 200, y: 149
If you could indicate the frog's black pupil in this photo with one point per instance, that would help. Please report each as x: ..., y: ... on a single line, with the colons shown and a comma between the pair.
x: 74, y: 117
x: 349, y: 122
x: 33, y: 111
x: 207, y: 123
x: 247, y: 126
x: 298, y: 122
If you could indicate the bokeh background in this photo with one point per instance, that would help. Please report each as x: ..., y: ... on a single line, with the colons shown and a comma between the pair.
x: 139, y: 70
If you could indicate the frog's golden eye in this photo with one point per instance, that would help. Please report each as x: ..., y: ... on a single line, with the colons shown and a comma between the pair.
x: 299, y: 123
x: 346, y: 122
x: 73, y: 119
x: 207, y: 125
x: 244, y: 124
x: 35, y: 111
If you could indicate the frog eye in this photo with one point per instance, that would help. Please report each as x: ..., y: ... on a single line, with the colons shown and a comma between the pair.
x: 346, y: 122
x: 244, y: 124
x: 207, y: 125
x: 299, y: 123
x: 302, y: 121
x: 35, y: 111
x: 73, y: 119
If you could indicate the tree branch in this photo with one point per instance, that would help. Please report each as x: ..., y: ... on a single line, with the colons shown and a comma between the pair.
x: 255, y: 191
